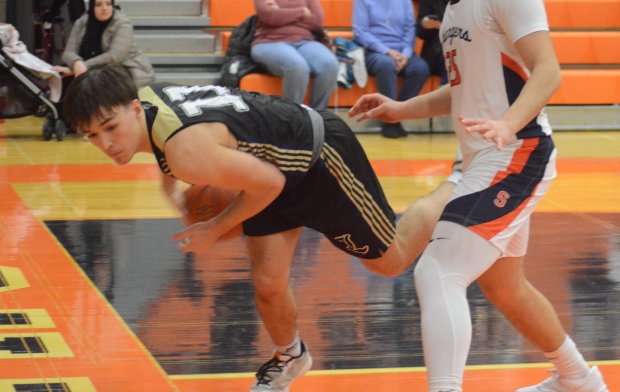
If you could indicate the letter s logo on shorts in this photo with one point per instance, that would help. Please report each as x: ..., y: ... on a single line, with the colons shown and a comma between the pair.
x: 501, y: 199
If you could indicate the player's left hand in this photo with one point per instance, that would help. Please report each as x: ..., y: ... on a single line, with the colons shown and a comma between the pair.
x: 197, y: 238
x: 496, y: 131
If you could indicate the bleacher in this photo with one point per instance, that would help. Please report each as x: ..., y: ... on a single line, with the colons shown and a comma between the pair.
x: 585, y: 33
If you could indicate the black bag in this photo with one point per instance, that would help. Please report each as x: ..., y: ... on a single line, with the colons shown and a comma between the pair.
x: 239, y: 60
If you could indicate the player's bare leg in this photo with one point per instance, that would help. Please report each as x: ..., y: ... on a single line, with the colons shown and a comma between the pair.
x: 271, y: 257
x: 506, y: 287
x: 413, y: 231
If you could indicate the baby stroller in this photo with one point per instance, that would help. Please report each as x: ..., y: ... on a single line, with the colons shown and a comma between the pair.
x: 28, y: 85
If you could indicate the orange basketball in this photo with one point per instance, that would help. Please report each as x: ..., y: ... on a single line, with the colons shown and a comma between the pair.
x: 203, y: 202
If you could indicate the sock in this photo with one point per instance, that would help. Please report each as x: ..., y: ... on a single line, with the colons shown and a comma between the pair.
x: 293, y: 349
x: 455, y: 177
x: 568, y: 360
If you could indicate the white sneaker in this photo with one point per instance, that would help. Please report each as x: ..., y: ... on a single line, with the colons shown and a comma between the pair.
x: 457, y: 164
x: 277, y: 374
x: 457, y: 168
x: 593, y: 382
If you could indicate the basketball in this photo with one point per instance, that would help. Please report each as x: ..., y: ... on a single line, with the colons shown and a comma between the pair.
x: 203, y: 202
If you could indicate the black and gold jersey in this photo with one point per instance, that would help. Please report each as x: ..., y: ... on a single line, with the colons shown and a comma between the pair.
x: 338, y: 194
x: 268, y: 127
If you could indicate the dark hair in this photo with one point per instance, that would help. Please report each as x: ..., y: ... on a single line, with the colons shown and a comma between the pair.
x: 99, y: 89
x: 91, y: 41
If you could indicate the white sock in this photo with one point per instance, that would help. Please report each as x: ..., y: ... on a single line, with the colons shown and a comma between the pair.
x: 568, y: 360
x: 293, y: 349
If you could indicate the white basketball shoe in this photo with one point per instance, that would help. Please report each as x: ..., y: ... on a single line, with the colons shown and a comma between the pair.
x: 277, y: 374
x: 593, y: 382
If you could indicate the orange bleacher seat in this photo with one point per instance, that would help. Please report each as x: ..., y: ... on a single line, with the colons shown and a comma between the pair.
x: 588, y: 87
x: 583, y: 14
x: 338, y: 13
x: 587, y: 47
x: 268, y: 84
x: 572, y: 47
x: 229, y: 13
x: 579, y: 87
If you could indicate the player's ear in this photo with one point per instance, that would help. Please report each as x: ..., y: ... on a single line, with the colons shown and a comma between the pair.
x: 136, y: 107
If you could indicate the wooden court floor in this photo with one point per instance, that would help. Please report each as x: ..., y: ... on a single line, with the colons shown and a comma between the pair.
x: 94, y: 296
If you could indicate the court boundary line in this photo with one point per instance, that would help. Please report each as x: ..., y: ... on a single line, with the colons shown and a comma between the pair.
x: 417, y: 369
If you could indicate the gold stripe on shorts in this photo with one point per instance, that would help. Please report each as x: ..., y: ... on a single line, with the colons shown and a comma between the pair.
x: 378, y: 222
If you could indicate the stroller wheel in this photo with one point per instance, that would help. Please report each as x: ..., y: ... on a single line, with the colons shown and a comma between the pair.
x: 48, y: 129
x: 61, y: 130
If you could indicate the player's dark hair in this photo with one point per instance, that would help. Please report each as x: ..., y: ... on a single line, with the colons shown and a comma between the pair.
x: 97, y: 90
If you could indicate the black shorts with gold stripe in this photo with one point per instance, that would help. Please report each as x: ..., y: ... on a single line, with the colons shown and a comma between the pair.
x: 340, y: 196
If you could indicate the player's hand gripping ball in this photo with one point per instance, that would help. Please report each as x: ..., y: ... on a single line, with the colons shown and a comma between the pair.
x: 203, y: 202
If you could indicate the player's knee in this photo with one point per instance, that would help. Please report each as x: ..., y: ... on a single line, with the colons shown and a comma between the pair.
x: 384, y: 266
x: 425, y: 273
x: 423, y: 214
x: 268, y: 287
x: 432, y: 280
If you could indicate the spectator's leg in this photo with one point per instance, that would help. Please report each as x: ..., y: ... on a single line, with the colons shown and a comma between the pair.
x: 282, y: 59
x: 324, y: 67
x: 415, y: 73
x: 383, y: 68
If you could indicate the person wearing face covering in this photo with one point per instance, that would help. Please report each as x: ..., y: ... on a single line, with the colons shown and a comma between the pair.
x: 104, y: 35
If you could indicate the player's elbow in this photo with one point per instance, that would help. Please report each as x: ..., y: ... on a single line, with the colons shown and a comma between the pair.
x: 273, y: 185
x: 553, y: 76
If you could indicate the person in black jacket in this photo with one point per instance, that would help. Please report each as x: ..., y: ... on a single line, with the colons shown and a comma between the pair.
x: 430, y: 15
x: 238, y: 55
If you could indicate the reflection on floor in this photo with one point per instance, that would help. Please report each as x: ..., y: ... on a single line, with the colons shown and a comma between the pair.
x: 197, y: 316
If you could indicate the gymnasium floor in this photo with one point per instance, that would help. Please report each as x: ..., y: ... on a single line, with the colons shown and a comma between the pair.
x: 94, y: 296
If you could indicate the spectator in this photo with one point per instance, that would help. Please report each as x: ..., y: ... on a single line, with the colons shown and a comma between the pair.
x: 284, y: 44
x: 430, y: 15
x: 76, y: 9
x: 104, y: 35
x: 386, y: 28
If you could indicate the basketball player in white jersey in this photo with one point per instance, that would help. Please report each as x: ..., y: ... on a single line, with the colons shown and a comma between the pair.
x: 502, y: 70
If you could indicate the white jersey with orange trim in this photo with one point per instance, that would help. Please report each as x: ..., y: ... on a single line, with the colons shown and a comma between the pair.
x: 485, y: 70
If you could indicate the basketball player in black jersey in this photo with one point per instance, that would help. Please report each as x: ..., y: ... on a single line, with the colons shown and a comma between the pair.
x: 292, y: 166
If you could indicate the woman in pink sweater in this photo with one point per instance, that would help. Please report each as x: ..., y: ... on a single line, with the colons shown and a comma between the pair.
x: 284, y: 44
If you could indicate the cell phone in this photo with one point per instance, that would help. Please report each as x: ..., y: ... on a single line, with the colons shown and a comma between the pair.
x: 433, y: 17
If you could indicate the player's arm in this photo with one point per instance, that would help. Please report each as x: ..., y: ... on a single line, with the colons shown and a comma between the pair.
x: 537, y: 52
x: 206, y: 154
x: 174, y: 194
x: 435, y: 103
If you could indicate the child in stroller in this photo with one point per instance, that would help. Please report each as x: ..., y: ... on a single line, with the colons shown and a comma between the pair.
x: 27, y: 83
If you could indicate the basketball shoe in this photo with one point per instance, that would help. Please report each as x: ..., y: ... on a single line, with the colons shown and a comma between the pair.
x: 277, y: 374
x: 593, y: 382
x: 457, y: 168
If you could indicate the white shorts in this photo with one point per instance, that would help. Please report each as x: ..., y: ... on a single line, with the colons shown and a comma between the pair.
x: 500, y: 190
